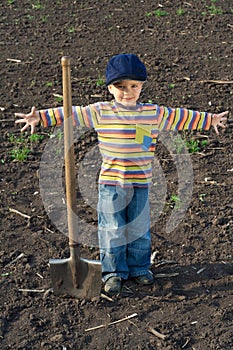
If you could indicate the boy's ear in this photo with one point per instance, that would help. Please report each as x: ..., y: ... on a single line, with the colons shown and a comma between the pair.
x: 110, y: 88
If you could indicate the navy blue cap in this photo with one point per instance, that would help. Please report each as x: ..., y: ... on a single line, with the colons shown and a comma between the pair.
x: 125, y: 66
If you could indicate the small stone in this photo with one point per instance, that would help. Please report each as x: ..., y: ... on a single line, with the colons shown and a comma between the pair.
x: 57, y: 338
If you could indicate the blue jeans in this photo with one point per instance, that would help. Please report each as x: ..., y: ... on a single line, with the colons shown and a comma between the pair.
x: 124, y: 231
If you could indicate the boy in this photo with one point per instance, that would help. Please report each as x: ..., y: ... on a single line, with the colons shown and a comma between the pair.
x: 127, y: 133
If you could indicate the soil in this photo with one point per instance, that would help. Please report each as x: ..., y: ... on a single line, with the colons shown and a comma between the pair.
x: 188, y: 54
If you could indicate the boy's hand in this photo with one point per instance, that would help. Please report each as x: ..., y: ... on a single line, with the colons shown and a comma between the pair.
x: 217, y: 120
x: 31, y: 119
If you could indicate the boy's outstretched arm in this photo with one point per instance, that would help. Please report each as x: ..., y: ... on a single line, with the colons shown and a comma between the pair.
x: 218, y: 119
x: 31, y: 119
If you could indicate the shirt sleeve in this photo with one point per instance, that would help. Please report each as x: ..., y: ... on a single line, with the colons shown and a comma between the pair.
x: 182, y: 119
x: 81, y: 116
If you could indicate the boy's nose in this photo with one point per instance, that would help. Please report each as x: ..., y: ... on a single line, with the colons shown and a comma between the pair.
x: 127, y: 90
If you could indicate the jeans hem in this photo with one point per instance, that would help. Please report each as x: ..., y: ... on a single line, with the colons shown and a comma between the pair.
x: 114, y: 274
x: 139, y: 273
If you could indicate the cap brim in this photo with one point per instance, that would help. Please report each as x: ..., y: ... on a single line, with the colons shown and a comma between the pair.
x: 114, y: 81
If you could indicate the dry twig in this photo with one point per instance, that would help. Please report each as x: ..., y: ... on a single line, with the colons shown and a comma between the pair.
x: 14, y: 60
x: 111, y: 323
x: 156, y: 333
x: 32, y: 290
x: 106, y: 297
x: 187, y: 341
x: 162, y: 275
x: 20, y: 213
x: 17, y: 258
x: 216, y: 81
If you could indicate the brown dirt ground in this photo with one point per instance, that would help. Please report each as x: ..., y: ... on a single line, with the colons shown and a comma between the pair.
x: 193, y: 305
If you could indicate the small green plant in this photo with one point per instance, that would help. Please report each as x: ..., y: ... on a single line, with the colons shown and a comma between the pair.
x: 44, y: 19
x: 20, y: 154
x: 37, y: 6
x: 160, y: 13
x: 49, y: 84
x: 22, y: 146
x: 180, y: 12
x: 204, y: 143
x: 157, y: 13
x: 179, y: 145
x: 10, y: 2
x: 35, y: 137
x: 213, y: 10
x: 71, y: 29
x: 58, y: 99
x: 33, y: 83
x: 59, y: 135
x: 171, y: 86
x: 193, y: 146
x: 201, y: 197
x: 196, y: 145
x: 175, y: 201
x: 99, y: 81
x: 17, y: 140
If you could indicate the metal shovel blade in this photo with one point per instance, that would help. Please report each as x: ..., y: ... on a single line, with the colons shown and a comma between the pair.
x: 87, y: 282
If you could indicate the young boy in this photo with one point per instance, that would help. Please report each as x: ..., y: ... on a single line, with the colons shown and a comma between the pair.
x: 127, y: 133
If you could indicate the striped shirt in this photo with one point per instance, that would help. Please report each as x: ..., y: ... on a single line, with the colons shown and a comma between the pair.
x: 127, y: 135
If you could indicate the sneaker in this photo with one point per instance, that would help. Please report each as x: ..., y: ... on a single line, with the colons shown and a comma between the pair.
x: 145, y: 279
x: 113, y: 285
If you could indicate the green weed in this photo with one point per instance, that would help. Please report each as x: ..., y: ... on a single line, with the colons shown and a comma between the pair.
x: 171, y: 86
x: 201, y: 197
x: 17, y: 140
x: 196, y: 145
x: 160, y: 13
x: 180, y: 12
x: 58, y: 99
x: 179, y: 145
x: 204, y: 143
x: 213, y: 10
x: 37, y: 6
x: 193, y: 146
x: 20, y: 154
x: 44, y: 19
x: 157, y: 13
x: 22, y: 146
x: 175, y: 201
x: 100, y: 81
x: 49, y: 84
x: 71, y: 29
x: 35, y: 137
x: 30, y: 17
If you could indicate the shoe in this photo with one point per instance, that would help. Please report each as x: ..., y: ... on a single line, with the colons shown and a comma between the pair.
x: 145, y: 279
x: 113, y: 285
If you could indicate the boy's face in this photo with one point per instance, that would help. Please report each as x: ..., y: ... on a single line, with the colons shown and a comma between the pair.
x: 126, y: 92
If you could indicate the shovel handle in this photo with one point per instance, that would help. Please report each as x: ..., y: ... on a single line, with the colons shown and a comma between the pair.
x: 69, y: 152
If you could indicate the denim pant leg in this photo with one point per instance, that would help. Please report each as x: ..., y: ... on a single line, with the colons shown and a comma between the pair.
x: 138, y: 233
x: 112, y: 231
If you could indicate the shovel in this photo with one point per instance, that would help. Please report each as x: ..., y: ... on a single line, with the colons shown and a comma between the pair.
x: 77, y: 277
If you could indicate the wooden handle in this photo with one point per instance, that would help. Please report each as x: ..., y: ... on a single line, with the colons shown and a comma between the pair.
x: 69, y: 152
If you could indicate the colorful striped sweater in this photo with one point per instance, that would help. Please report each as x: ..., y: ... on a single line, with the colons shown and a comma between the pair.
x: 127, y: 135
